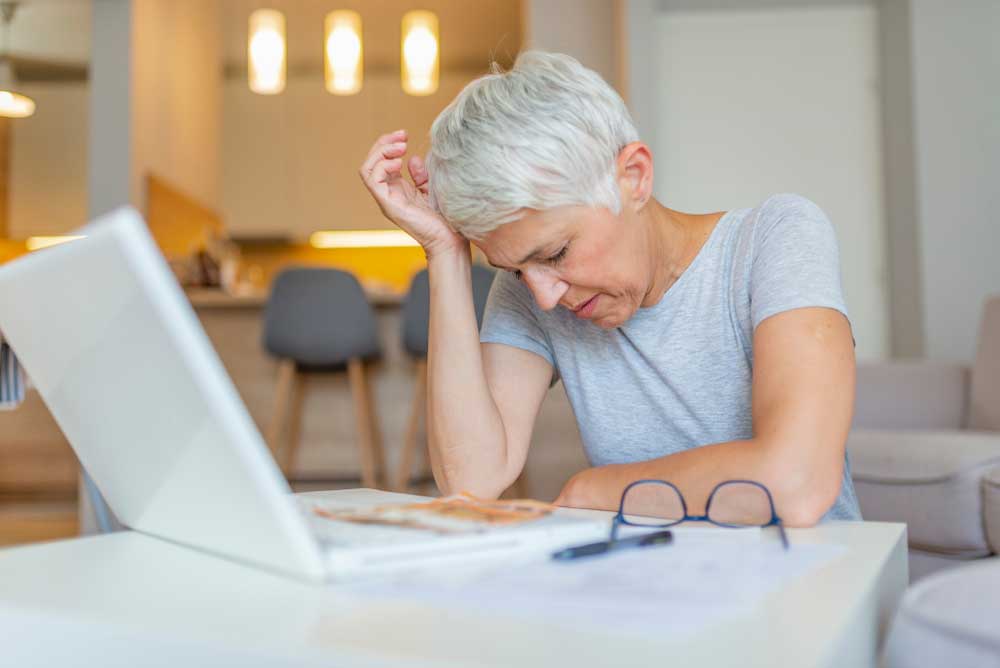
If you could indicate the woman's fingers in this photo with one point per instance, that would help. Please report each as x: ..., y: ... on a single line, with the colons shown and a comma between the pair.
x: 393, y: 143
x: 384, y: 152
x: 385, y: 170
x: 418, y: 172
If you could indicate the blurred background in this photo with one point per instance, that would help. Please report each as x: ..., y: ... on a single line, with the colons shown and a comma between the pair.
x: 236, y: 135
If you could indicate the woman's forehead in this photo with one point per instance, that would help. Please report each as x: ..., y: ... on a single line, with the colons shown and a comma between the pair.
x: 516, y: 242
x: 535, y: 233
x: 534, y: 224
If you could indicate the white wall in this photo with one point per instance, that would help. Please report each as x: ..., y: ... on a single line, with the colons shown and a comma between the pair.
x: 176, y: 96
x: 779, y: 100
x: 584, y: 29
x: 155, y: 100
x: 48, y: 161
x: 956, y: 88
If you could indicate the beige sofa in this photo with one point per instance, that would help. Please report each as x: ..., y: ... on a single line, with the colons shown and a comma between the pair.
x: 925, y: 450
x: 950, y: 620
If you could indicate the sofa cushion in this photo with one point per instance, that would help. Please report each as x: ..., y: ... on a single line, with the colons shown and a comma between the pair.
x: 930, y: 480
x: 991, y: 507
x: 923, y: 563
x: 949, y: 619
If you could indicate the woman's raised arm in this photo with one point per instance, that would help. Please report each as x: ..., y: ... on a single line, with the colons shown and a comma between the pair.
x: 480, y: 407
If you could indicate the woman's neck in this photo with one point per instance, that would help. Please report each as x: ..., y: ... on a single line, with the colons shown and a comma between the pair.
x: 674, y: 240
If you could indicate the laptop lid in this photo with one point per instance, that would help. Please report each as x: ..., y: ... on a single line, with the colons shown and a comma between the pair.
x: 116, y: 351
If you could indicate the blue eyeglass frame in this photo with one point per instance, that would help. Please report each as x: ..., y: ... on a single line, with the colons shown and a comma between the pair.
x: 619, y: 518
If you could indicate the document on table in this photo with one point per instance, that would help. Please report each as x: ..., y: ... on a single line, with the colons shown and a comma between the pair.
x: 680, y: 588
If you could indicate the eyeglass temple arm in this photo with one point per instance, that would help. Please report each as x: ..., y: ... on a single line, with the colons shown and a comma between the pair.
x: 616, y: 522
x: 781, y: 530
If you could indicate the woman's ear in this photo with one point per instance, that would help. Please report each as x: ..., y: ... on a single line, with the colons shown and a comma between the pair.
x: 635, y: 175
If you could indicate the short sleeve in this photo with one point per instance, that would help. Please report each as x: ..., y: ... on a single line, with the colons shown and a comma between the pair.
x: 795, y: 261
x: 510, y: 318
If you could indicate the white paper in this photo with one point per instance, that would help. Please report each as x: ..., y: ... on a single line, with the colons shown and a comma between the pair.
x: 700, y: 579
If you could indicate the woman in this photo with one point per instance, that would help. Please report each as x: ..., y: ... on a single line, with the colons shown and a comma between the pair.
x: 694, y: 348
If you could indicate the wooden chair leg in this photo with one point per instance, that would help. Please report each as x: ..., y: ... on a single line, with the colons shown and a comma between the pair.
x: 367, y: 427
x: 410, y: 441
x: 282, y: 394
x: 294, y: 425
x: 381, y: 472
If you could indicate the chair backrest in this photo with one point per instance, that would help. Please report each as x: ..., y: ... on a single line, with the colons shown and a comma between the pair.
x: 416, y: 307
x: 984, y: 394
x: 319, y: 317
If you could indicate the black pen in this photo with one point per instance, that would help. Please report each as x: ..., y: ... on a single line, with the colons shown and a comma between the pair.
x: 590, y: 549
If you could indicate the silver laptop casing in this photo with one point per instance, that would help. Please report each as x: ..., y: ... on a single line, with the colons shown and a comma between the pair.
x: 116, y: 351
x: 118, y: 355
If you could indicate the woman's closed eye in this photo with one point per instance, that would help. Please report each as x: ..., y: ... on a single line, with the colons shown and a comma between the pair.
x: 552, y: 259
x: 558, y: 256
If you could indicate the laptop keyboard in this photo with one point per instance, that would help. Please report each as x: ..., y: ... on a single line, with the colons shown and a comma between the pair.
x: 334, y: 532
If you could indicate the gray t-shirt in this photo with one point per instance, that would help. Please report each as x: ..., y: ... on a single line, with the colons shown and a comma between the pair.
x: 677, y: 375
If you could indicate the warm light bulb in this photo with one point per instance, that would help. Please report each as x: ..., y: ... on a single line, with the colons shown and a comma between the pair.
x: 343, y: 52
x: 15, y: 105
x: 361, y: 239
x: 266, y: 52
x: 420, y: 53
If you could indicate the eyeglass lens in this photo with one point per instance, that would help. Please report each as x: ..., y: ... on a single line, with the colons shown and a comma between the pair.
x: 734, y: 503
x: 652, y: 504
x: 741, y: 504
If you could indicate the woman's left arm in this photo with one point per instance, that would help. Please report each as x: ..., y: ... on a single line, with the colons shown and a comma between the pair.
x: 803, y: 399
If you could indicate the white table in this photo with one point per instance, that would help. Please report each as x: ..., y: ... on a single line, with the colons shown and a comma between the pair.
x: 127, y: 599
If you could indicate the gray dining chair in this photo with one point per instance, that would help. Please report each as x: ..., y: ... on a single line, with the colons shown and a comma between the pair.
x: 415, y: 320
x: 318, y: 320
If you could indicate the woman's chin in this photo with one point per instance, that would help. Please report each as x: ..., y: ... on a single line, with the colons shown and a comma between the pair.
x: 610, y: 321
x: 618, y: 317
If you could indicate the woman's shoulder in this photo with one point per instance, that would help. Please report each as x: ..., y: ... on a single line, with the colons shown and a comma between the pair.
x: 786, y: 208
x: 783, y: 214
x: 782, y: 228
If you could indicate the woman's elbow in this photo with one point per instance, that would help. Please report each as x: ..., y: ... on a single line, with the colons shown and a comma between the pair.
x: 805, y: 511
x: 807, y: 491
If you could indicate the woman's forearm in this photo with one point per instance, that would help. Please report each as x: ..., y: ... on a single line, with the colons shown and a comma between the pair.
x: 465, y: 432
x: 464, y: 428
x: 802, y: 490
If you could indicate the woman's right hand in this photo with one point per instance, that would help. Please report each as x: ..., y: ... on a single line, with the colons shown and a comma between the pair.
x: 407, y: 204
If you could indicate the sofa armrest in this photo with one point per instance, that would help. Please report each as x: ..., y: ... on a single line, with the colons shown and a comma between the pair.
x: 935, y: 481
x: 991, y: 508
x: 911, y: 395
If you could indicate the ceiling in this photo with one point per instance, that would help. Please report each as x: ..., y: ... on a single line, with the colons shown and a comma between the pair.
x: 49, y: 40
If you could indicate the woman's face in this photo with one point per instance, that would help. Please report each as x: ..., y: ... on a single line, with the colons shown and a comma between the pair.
x: 585, y: 259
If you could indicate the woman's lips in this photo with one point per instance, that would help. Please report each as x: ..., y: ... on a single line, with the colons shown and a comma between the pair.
x: 587, y: 309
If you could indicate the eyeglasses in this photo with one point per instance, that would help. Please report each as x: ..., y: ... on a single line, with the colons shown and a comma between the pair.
x: 733, y: 504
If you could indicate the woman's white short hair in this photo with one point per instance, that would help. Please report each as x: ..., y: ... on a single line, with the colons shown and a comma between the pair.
x: 545, y: 134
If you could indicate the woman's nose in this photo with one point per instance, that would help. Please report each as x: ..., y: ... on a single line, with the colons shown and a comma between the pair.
x: 547, y: 289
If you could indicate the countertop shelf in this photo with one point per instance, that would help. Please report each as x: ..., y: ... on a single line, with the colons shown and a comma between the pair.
x: 216, y: 298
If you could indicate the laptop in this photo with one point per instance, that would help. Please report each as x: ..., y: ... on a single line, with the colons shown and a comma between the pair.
x: 117, y: 353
